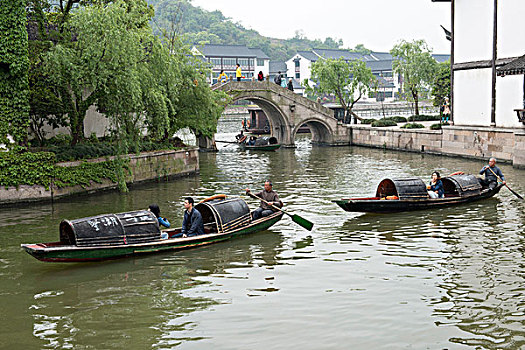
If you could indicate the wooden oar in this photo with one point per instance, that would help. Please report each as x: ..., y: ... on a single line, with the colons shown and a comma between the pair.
x: 499, y: 178
x: 234, y: 142
x: 295, y: 218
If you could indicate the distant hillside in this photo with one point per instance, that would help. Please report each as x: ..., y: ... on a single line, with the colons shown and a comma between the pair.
x: 201, y: 26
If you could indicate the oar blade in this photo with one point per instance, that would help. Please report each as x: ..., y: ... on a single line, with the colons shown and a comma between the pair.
x: 303, y: 222
x: 515, y: 193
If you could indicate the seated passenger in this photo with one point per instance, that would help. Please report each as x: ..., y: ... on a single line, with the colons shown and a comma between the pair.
x: 154, y: 208
x: 251, y: 141
x: 192, y: 223
x: 435, y: 189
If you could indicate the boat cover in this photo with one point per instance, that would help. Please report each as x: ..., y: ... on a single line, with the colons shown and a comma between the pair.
x: 462, y: 185
x: 408, y: 188
x: 111, y: 229
x: 225, y: 214
x: 266, y: 140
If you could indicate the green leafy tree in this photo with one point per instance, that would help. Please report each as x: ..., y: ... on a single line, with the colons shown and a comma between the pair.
x: 347, y: 81
x: 14, y: 64
x: 441, y: 83
x: 414, y: 62
x: 360, y: 48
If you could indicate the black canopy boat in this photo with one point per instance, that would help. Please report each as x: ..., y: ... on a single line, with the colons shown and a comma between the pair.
x: 395, y: 195
x: 112, y: 236
x: 264, y: 143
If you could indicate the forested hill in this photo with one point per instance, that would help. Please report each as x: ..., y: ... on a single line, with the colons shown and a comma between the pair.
x: 201, y: 26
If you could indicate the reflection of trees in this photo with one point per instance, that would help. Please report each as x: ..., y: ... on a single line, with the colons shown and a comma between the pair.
x: 137, y: 301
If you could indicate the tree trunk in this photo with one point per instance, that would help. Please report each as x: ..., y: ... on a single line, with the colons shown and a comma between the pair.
x: 416, y: 101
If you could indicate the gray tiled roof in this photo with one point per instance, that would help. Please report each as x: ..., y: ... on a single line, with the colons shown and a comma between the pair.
x: 513, y: 68
x: 381, y: 56
x: 377, y: 66
x: 210, y: 50
x: 259, y: 53
x: 276, y: 66
x: 336, y: 54
x: 309, y: 55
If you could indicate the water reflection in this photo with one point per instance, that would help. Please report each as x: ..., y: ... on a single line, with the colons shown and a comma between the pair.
x: 447, y: 278
x: 137, y: 302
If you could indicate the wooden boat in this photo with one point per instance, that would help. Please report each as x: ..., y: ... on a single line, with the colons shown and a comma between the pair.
x: 114, y: 236
x: 264, y: 143
x: 395, y: 195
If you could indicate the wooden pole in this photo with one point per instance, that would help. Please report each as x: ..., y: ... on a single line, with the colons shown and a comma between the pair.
x: 494, y: 57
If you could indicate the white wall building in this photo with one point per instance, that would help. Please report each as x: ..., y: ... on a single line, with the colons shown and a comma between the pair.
x: 226, y: 57
x: 476, y: 41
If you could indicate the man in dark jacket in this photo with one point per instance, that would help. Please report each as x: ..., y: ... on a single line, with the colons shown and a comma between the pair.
x: 491, y: 181
x: 269, y: 195
x: 192, y: 223
x: 277, y: 79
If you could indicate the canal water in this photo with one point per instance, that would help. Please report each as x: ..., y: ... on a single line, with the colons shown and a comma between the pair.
x: 451, y: 278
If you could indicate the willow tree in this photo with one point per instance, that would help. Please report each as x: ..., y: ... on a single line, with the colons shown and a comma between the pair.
x: 414, y: 62
x: 348, y: 81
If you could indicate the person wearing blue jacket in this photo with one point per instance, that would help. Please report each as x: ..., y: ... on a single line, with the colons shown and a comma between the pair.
x: 154, y: 208
x: 435, y: 188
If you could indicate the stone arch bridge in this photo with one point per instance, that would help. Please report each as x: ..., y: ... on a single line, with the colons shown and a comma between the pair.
x: 287, y: 111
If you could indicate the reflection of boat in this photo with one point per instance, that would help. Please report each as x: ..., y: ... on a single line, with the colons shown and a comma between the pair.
x: 117, y: 235
x: 264, y: 143
x: 394, y: 195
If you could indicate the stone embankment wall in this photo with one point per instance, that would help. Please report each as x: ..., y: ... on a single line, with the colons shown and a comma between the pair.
x: 144, y: 167
x: 472, y: 142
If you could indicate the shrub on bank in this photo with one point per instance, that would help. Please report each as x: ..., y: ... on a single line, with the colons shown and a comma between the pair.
x: 413, y: 126
x: 399, y: 119
x: 423, y: 117
x: 435, y: 127
x: 97, y: 149
x: 368, y: 121
x: 38, y: 168
x: 383, y: 123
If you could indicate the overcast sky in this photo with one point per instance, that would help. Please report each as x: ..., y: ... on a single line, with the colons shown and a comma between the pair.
x: 378, y: 24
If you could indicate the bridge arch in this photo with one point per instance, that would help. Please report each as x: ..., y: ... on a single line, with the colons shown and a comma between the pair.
x: 287, y: 111
x: 279, y: 128
x: 322, y: 133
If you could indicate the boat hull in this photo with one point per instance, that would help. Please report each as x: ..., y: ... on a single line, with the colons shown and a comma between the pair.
x: 260, y: 148
x: 392, y: 206
x: 56, y: 252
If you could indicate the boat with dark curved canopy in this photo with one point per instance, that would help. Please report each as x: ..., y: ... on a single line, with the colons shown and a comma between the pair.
x: 112, y: 236
x: 395, y: 195
x: 265, y: 143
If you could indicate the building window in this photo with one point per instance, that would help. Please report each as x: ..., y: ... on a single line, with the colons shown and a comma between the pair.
x: 251, y: 62
x: 260, y: 62
x: 297, y: 63
x: 229, y: 62
x: 216, y: 62
x: 243, y: 62
x: 298, y: 75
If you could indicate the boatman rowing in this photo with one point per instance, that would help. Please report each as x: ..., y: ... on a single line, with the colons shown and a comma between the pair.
x: 270, y: 196
x: 490, y: 171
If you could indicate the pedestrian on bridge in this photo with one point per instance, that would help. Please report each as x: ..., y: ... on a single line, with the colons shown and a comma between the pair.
x: 238, y: 72
x: 290, y: 85
x: 277, y: 78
